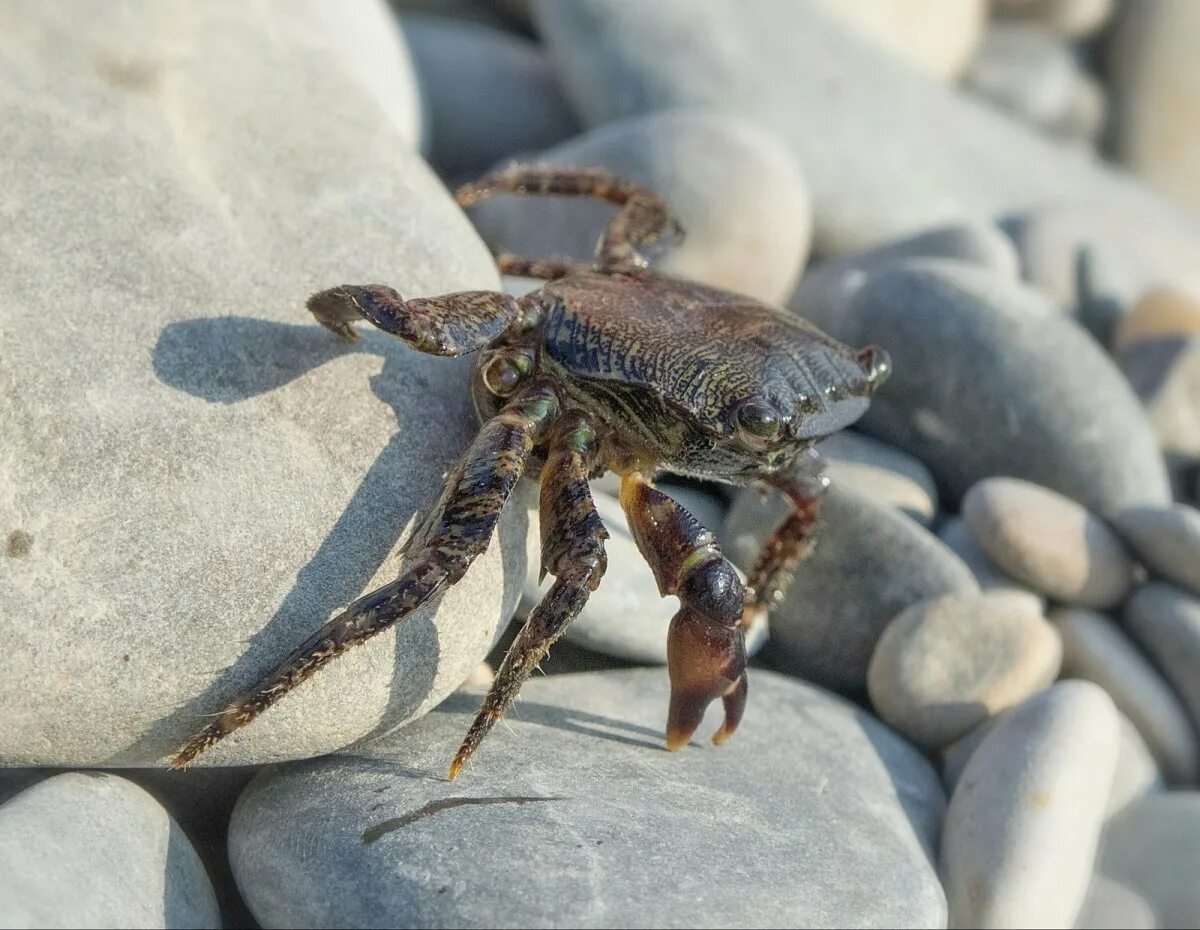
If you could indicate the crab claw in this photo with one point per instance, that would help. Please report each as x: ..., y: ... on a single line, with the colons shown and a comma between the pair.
x: 705, y: 662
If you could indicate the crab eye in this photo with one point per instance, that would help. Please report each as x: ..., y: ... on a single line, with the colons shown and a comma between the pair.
x: 501, y: 375
x: 758, y: 425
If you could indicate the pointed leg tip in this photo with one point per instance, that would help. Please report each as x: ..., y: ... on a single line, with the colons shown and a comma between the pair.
x: 721, y: 736
x: 455, y: 769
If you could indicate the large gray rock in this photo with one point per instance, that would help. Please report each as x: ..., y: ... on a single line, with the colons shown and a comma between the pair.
x: 87, y: 849
x: 487, y: 94
x: 573, y: 815
x: 195, y: 474
x: 1021, y: 831
x: 989, y: 379
x: 734, y: 187
x: 1166, y: 621
x: 886, y: 150
x: 870, y: 562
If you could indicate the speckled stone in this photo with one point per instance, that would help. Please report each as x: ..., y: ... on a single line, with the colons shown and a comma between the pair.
x: 870, y: 562
x: 1096, y: 649
x: 947, y: 665
x: 1021, y: 831
x: 880, y: 471
x: 1049, y: 542
x: 736, y: 190
x: 573, y: 815
x: 1166, y: 621
x: 989, y: 378
x: 86, y: 849
x: 195, y: 474
x: 954, y: 533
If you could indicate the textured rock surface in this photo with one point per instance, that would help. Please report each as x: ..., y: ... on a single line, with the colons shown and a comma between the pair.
x: 195, y: 474
x: 86, y: 849
x: 946, y: 665
x: 575, y: 816
x: 735, y: 188
x: 870, y: 562
x: 1021, y: 830
x: 990, y: 379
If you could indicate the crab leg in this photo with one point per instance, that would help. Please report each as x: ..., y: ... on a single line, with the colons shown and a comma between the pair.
x: 466, y: 516
x: 786, y: 547
x: 706, y: 655
x: 453, y: 324
x: 572, y: 550
x: 643, y: 220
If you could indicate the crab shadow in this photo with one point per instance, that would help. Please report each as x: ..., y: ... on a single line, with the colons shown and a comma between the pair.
x: 226, y: 360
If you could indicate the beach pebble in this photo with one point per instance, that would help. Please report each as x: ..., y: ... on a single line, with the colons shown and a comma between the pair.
x: 954, y: 533
x: 88, y: 849
x: 1096, y: 649
x: 1166, y: 621
x: 880, y: 471
x: 1137, y: 773
x: 1049, y: 542
x: 1166, y: 540
x: 196, y: 475
x: 1159, y: 313
x: 1109, y: 905
x: 1164, y: 371
x: 870, y: 562
x: 946, y: 665
x: 573, y: 815
x: 736, y: 190
x: 1072, y: 19
x: 1022, y: 827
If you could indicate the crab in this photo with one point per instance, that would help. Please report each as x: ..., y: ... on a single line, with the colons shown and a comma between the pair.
x: 610, y: 366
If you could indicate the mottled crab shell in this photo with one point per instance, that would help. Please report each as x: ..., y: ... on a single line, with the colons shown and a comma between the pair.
x: 702, y: 352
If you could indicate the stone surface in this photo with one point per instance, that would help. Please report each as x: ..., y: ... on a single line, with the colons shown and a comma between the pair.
x: 885, y: 150
x: 1154, y: 848
x: 1110, y: 904
x: 1166, y: 540
x: 947, y: 665
x: 1166, y: 621
x: 573, y: 815
x: 1160, y: 313
x: 1137, y: 773
x: 1156, y: 80
x: 1072, y: 19
x: 880, y: 471
x: 86, y: 849
x: 989, y: 378
x: 196, y: 475
x: 626, y: 617
x: 870, y: 562
x: 1049, y: 542
x: 734, y: 187
x: 488, y: 95
x: 1096, y: 649
x: 1021, y: 830
x: 954, y: 533
x: 1165, y: 374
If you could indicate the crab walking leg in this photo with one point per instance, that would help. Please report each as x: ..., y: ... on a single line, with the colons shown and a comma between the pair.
x: 572, y: 551
x: 706, y: 654
x: 548, y: 269
x: 453, y: 324
x: 786, y: 547
x: 644, y: 218
x: 469, y: 510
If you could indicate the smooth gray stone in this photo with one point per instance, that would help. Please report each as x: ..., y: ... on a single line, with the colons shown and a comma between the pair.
x: 1166, y: 621
x: 1072, y: 19
x: 989, y: 378
x: 1021, y: 830
x: 1153, y: 847
x: 487, y: 94
x: 886, y: 150
x: 1049, y: 542
x: 735, y: 189
x: 1110, y: 904
x: 991, y: 577
x: 1137, y: 774
x: 881, y: 471
x: 195, y: 474
x: 870, y: 562
x: 1165, y: 374
x: 1096, y: 649
x: 87, y: 849
x: 573, y: 815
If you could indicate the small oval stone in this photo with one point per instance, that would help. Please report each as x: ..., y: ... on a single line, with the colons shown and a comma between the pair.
x: 1166, y: 540
x: 1166, y: 621
x: 946, y: 665
x: 1021, y: 831
x: 881, y: 471
x: 1162, y: 313
x: 954, y: 533
x: 1096, y: 649
x: 1137, y: 774
x: 1049, y: 542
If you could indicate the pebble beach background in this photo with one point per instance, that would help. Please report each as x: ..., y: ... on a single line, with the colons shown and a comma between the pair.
x: 979, y: 704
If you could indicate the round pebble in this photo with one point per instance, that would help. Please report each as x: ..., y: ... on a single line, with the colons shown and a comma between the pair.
x: 1021, y: 830
x: 1137, y: 773
x: 880, y: 471
x: 1096, y: 649
x: 1166, y: 621
x: 574, y: 815
x: 947, y: 665
x: 1163, y: 313
x: 954, y: 533
x: 870, y: 562
x: 1166, y: 540
x: 1049, y: 542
